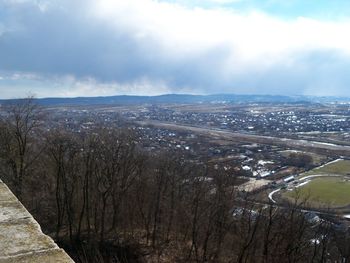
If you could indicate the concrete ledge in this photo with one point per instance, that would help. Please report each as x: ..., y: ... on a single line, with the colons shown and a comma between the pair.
x: 55, y: 255
x: 12, y: 211
x: 21, y: 238
x: 6, y: 195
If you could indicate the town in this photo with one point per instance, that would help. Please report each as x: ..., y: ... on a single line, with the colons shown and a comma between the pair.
x: 302, y: 164
x: 266, y: 136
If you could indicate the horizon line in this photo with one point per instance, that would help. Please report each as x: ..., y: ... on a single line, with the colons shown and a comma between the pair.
x: 176, y: 94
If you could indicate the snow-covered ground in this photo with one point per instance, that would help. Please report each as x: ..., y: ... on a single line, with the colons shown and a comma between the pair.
x: 302, y: 184
x: 318, y: 175
x: 335, y: 161
x: 246, y: 168
x: 253, y: 184
x: 262, y: 162
x: 272, y: 193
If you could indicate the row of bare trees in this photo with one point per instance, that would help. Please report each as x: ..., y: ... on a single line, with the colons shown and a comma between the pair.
x: 107, y: 200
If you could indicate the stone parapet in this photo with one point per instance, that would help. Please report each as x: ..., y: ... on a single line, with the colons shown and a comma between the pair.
x: 21, y: 238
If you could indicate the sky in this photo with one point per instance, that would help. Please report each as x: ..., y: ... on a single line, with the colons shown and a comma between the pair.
x: 70, y: 48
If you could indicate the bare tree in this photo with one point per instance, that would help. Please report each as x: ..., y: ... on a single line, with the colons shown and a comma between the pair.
x: 17, y: 133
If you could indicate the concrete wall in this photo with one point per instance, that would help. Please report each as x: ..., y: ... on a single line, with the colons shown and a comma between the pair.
x: 21, y: 239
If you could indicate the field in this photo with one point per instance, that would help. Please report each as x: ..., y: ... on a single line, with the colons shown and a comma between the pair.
x: 316, y: 158
x: 324, y: 191
x: 341, y: 167
x: 331, y: 191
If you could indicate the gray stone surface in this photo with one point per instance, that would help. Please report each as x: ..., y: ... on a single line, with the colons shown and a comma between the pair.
x: 6, y: 195
x: 21, y: 238
x: 10, y: 211
x: 53, y: 255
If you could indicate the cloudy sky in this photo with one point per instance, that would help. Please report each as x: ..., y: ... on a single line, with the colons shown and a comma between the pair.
x: 148, y: 47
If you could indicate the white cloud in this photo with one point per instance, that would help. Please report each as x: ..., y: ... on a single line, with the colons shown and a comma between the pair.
x: 154, y: 47
x: 224, y: 1
x: 18, y: 84
x: 252, y: 38
x: 72, y: 87
x: 42, y: 5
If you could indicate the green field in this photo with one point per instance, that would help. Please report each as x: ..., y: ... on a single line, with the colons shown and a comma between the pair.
x: 324, y: 192
x: 341, y: 167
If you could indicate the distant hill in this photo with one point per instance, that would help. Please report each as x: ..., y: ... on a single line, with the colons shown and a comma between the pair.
x: 181, y: 98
